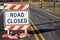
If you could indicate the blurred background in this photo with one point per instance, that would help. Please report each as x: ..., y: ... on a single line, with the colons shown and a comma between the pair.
x: 52, y: 6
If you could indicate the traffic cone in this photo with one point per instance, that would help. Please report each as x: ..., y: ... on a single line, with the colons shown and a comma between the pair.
x: 5, y: 35
x: 15, y: 37
x: 22, y: 35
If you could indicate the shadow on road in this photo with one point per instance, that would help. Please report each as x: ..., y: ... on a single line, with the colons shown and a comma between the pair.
x: 42, y: 31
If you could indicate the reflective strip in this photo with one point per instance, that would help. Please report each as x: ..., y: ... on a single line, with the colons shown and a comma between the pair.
x: 21, y: 7
x: 21, y: 27
x: 15, y: 6
x: 26, y: 6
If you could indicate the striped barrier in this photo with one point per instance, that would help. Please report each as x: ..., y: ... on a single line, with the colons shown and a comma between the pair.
x: 15, y: 6
x: 15, y: 27
x: 21, y: 27
x: 18, y: 7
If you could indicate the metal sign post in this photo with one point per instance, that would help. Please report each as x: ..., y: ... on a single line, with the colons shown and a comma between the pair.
x: 54, y: 4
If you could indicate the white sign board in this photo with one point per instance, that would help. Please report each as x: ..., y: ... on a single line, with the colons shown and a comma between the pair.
x: 16, y: 17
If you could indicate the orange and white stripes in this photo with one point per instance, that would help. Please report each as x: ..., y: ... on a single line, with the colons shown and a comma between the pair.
x: 21, y: 27
x: 15, y: 6
x: 18, y: 7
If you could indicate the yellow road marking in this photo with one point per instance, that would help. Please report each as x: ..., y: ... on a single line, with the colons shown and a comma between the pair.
x: 42, y: 37
x: 35, y: 35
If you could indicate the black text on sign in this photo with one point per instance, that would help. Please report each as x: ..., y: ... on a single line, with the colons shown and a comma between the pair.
x: 16, y: 17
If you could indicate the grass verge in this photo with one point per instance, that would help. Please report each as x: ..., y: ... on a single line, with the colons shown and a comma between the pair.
x: 48, y: 6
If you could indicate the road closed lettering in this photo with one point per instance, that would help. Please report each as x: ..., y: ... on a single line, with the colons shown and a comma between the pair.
x: 17, y: 20
x: 16, y: 17
x: 17, y: 14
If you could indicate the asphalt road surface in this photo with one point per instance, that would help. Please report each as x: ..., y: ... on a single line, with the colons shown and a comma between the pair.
x: 38, y: 16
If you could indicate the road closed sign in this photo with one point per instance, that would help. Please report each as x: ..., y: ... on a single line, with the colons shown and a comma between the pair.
x: 16, y: 17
